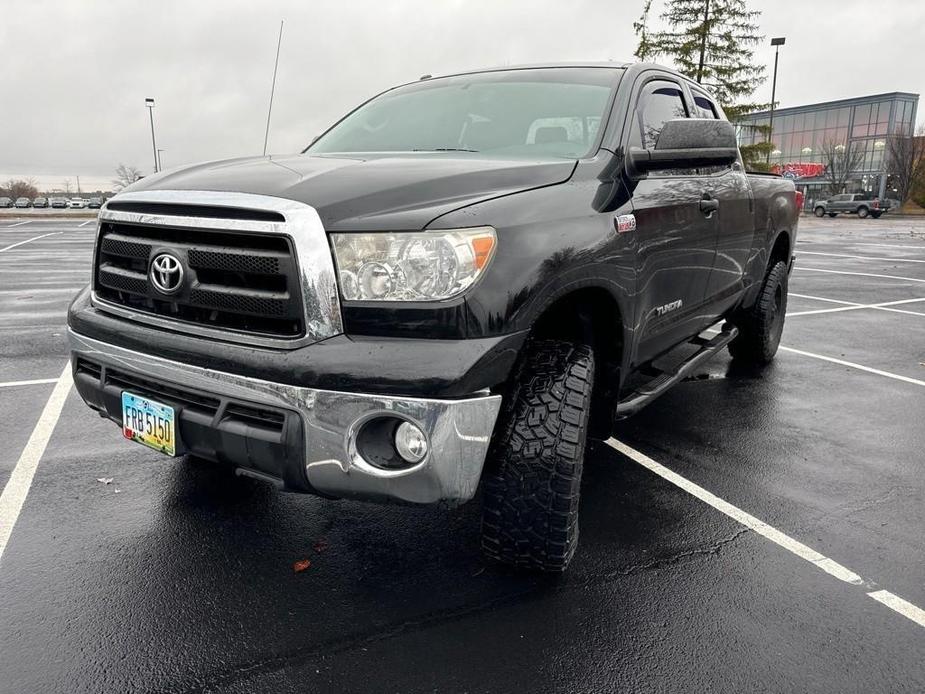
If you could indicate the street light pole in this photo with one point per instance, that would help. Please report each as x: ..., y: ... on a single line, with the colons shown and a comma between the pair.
x: 777, y: 43
x: 149, y: 103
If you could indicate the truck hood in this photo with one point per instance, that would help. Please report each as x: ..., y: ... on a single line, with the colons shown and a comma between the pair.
x: 375, y: 191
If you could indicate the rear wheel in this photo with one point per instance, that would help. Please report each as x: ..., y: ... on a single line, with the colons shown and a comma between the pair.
x: 532, y: 481
x: 761, y: 327
x: 819, y: 212
x: 863, y: 212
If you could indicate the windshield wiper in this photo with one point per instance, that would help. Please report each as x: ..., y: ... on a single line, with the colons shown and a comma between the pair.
x: 445, y: 149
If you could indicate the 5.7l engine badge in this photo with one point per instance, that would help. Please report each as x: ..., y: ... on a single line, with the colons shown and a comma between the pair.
x: 624, y: 223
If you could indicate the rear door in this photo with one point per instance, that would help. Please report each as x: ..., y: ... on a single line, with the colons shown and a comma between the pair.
x: 676, y: 240
x: 735, y: 219
x: 840, y: 203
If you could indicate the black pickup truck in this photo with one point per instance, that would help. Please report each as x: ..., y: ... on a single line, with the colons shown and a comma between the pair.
x: 453, y: 286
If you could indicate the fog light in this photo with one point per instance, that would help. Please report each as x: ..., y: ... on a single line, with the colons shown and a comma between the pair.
x: 410, y: 442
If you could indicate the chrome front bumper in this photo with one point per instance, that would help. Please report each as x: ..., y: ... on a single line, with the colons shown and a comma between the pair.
x: 458, y: 431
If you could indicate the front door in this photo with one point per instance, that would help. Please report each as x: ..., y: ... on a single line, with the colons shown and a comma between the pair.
x: 676, y: 238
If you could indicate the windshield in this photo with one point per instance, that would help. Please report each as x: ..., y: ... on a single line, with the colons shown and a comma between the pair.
x: 536, y: 113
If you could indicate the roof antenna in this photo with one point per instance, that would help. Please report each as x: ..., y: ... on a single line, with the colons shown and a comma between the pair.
x: 424, y: 77
x: 266, y: 135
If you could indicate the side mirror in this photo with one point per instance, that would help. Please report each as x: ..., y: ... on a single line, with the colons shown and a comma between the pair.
x: 687, y: 143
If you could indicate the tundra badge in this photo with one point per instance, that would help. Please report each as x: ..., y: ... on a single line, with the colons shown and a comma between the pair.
x: 669, y: 307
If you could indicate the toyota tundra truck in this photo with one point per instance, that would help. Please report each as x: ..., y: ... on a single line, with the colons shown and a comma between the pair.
x: 450, y: 290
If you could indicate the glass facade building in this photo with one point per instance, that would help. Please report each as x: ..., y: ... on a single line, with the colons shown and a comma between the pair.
x: 863, y: 123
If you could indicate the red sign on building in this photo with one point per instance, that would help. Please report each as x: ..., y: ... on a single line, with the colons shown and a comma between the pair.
x: 793, y: 170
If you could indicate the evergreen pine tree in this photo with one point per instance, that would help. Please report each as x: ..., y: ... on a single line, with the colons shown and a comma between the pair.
x: 711, y: 42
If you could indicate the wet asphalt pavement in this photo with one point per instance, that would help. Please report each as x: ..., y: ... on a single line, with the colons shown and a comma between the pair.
x: 178, y: 577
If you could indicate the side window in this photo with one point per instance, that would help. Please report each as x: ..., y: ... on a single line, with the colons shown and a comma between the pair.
x: 704, y: 108
x: 658, y: 103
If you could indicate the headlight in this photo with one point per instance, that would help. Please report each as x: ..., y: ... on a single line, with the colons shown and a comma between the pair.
x: 411, y: 266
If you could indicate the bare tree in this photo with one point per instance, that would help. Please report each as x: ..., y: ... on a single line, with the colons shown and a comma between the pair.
x: 125, y: 176
x: 840, y: 161
x: 21, y: 188
x: 905, y: 159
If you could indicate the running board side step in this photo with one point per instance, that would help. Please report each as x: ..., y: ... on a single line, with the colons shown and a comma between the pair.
x: 645, y: 394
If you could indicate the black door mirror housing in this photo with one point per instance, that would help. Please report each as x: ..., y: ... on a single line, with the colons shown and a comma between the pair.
x: 686, y: 143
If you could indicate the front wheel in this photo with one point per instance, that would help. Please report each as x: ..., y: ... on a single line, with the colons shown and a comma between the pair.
x: 863, y: 212
x: 819, y: 212
x: 760, y: 328
x: 532, y: 480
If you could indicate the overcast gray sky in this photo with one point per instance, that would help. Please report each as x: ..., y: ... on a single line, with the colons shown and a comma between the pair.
x: 76, y: 73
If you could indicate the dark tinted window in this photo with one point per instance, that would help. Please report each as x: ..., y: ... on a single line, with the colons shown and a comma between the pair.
x: 704, y: 107
x: 659, y: 102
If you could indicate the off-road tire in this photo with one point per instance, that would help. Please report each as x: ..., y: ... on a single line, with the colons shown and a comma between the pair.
x: 760, y: 328
x: 863, y: 212
x: 819, y: 212
x: 532, y: 480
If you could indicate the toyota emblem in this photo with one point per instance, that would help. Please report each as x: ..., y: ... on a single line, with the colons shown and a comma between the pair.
x: 166, y: 273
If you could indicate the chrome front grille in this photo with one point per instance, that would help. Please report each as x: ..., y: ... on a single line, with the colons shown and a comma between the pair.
x: 234, y: 281
x: 255, y: 269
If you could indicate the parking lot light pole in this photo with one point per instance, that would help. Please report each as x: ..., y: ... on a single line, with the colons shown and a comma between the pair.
x: 777, y: 43
x: 149, y: 103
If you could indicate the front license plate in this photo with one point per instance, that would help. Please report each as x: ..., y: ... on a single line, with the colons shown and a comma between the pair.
x: 149, y: 423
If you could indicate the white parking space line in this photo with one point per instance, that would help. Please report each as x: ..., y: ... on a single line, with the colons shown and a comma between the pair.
x: 17, y: 486
x: 34, y: 238
x: 19, y: 224
x: 822, y: 298
x: 33, y: 382
x: 90, y: 221
x: 852, y: 365
x: 827, y: 310
x: 889, y: 245
x: 904, y: 607
x: 852, y: 306
x: 863, y: 257
x: 769, y: 532
x: 860, y: 274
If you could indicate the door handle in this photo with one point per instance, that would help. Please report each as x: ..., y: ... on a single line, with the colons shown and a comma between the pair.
x: 708, y: 204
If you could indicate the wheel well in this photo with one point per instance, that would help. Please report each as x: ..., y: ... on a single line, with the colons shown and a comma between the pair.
x: 590, y: 316
x: 781, y: 250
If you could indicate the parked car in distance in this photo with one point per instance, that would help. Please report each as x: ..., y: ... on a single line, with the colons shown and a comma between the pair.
x: 23, y: 202
x: 860, y: 204
x: 95, y: 203
x: 6, y: 202
x: 40, y: 202
x: 58, y: 203
x: 77, y: 203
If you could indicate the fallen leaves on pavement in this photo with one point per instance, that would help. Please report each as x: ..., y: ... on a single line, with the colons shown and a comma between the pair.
x: 301, y: 565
